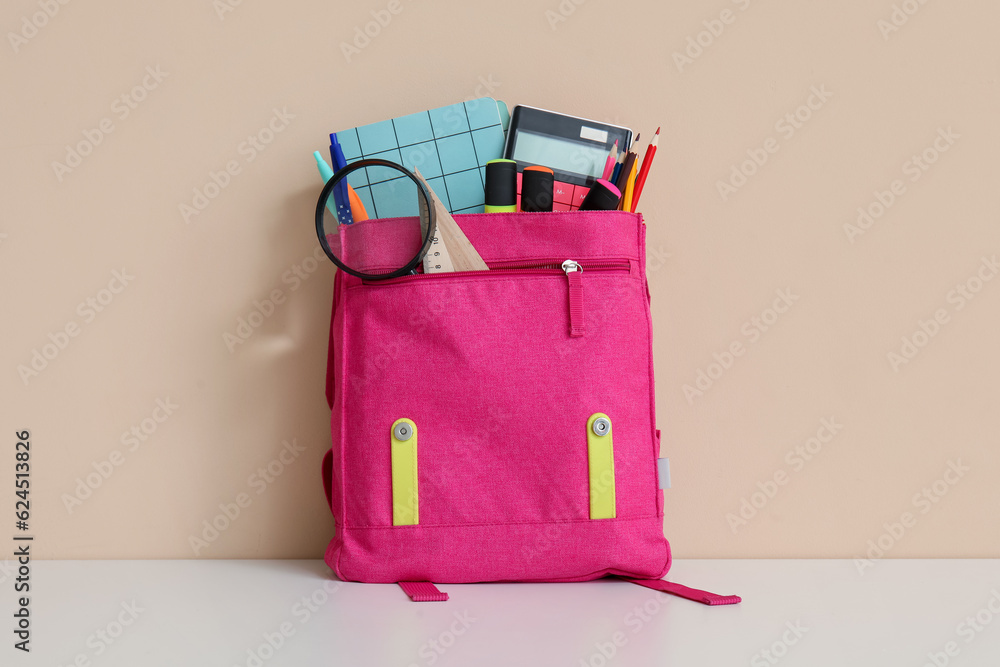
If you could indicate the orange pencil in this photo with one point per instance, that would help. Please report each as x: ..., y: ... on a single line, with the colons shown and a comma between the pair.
x: 647, y: 160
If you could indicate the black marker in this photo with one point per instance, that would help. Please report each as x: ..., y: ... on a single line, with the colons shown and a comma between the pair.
x: 501, y: 186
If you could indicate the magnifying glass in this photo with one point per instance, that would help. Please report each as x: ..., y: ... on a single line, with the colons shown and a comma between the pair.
x: 396, y: 237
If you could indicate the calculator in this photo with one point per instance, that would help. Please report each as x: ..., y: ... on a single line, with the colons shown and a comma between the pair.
x: 575, y: 149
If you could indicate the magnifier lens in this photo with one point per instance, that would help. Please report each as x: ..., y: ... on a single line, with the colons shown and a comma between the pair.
x: 399, y: 228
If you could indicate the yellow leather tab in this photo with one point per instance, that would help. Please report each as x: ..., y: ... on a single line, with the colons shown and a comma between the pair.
x: 404, y: 476
x: 601, y: 456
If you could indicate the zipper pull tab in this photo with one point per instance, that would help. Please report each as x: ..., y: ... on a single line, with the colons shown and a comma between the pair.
x: 574, y: 273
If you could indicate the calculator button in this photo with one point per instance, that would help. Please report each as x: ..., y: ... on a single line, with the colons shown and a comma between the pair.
x: 559, y: 206
x: 579, y: 194
x: 562, y: 192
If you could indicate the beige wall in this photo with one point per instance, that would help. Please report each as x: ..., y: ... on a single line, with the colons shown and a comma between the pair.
x: 716, y: 262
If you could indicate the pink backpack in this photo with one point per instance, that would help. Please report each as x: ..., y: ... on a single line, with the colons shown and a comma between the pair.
x: 498, y: 425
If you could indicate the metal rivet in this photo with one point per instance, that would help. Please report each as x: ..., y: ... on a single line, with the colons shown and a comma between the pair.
x: 402, y: 431
x: 601, y: 426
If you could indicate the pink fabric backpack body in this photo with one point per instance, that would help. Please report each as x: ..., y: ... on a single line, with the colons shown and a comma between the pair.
x: 499, y: 425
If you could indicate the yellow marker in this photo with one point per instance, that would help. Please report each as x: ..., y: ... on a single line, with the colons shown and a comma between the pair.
x: 405, y: 510
x: 601, y: 458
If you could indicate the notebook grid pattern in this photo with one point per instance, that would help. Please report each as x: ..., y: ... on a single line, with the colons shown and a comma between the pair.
x: 450, y: 146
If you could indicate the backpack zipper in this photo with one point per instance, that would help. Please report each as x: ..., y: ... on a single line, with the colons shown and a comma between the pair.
x: 574, y: 279
x: 600, y: 265
x: 498, y: 267
x: 574, y: 275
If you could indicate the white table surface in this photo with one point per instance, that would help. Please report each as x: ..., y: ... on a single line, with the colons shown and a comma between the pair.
x: 214, y: 612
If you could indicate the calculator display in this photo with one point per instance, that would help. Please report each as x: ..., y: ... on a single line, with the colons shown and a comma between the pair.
x: 560, y: 154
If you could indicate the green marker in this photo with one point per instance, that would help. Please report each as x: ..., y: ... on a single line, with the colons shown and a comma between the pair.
x: 501, y: 186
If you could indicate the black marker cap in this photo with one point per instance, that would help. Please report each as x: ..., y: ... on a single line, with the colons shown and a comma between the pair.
x: 536, y: 189
x: 603, y: 196
x: 501, y: 184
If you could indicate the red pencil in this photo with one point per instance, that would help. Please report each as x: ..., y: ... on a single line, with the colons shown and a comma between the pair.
x: 647, y: 160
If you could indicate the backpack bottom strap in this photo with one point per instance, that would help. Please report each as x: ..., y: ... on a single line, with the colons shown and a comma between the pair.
x: 423, y: 591
x: 679, y: 590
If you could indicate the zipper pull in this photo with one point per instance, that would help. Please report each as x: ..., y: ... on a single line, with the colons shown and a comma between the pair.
x: 574, y: 274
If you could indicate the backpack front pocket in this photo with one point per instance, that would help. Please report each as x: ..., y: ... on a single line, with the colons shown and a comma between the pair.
x: 500, y: 390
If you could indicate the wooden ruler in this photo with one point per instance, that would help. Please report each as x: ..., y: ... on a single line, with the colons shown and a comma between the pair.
x: 450, y: 248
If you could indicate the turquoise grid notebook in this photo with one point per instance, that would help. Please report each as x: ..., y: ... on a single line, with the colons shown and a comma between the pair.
x: 450, y: 146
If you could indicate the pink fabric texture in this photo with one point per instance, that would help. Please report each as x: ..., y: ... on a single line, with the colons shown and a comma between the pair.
x: 704, y: 597
x: 423, y: 591
x: 486, y: 366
